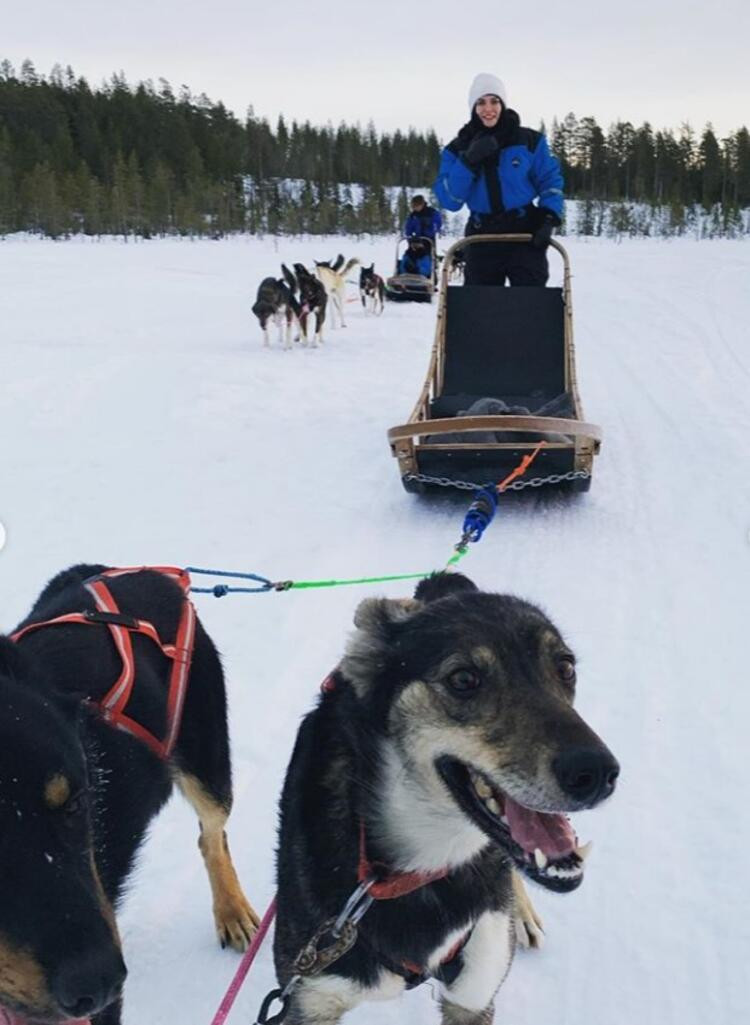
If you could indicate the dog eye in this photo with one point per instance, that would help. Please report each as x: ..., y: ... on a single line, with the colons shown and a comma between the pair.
x: 566, y: 669
x: 464, y: 681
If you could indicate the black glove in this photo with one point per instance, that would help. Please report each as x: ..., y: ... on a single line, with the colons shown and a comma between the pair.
x: 479, y: 149
x: 543, y: 233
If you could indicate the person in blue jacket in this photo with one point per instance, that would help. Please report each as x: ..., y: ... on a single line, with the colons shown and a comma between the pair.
x: 498, y: 169
x: 423, y: 222
x: 417, y: 258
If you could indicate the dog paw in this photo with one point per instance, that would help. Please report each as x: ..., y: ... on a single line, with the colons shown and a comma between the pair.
x: 236, y: 923
x: 529, y: 928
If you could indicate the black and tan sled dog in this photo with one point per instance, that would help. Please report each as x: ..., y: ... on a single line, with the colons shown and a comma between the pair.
x: 77, y: 792
x: 440, y: 761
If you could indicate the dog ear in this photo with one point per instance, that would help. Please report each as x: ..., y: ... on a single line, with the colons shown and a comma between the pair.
x: 438, y: 585
x: 289, y: 278
x: 368, y: 646
x: 11, y: 659
x: 377, y: 615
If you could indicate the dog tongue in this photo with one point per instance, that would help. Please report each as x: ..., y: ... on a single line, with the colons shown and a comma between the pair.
x: 552, y: 834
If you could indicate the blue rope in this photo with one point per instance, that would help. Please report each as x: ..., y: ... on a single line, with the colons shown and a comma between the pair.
x: 219, y: 590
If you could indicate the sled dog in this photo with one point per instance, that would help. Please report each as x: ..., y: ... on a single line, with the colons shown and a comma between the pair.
x: 440, y: 761
x: 276, y: 301
x: 333, y: 278
x: 312, y: 299
x: 372, y: 288
x: 77, y: 794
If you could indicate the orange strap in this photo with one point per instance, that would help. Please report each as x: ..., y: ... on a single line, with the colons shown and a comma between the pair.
x: 521, y: 468
x: 114, y: 703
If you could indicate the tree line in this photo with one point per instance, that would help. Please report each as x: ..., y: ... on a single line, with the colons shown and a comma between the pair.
x: 144, y: 160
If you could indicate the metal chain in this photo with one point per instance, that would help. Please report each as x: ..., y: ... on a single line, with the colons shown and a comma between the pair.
x: 517, y: 485
x: 314, y: 958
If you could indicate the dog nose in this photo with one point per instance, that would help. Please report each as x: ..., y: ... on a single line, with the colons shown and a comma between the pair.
x: 88, y: 982
x: 587, y: 775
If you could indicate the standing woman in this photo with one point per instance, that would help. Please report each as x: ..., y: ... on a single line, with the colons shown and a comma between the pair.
x: 497, y: 168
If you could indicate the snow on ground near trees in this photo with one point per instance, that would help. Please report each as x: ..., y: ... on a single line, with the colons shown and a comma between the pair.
x: 143, y: 422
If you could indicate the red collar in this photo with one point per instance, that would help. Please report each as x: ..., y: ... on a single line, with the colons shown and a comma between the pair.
x: 396, y: 884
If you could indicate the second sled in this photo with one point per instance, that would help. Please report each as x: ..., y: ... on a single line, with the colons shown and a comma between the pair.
x: 412, y: 287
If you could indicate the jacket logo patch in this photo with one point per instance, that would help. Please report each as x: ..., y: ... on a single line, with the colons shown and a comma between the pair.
x: 516, y: 162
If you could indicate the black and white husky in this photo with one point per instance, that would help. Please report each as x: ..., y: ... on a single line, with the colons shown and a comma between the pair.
x: 312, y: 300
x: 371, y: 289
x: 440, y: 760
x: 275, y: 301
x: 333, y: 278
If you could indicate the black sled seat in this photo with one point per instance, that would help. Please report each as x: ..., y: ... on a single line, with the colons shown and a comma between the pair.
x: 501, y: 379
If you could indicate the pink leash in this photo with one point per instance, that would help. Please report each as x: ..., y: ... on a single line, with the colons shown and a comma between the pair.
x: 244, y: 966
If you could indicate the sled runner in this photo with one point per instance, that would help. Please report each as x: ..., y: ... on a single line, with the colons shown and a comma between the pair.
x: 501, y: 378
x: 407, y: 287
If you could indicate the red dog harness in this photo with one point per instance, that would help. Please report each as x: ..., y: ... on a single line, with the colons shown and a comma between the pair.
x: 113, y: 706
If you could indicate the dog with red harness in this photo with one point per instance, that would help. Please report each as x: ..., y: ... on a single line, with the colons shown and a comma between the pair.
x: 111, y: 680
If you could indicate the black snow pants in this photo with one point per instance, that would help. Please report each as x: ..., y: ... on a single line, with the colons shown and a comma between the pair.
x: 493, y: 262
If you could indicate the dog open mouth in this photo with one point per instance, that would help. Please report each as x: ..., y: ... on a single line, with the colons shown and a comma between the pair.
x: 543, y: 845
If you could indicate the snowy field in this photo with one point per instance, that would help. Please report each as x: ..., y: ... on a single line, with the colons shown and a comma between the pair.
x: 141, y: 421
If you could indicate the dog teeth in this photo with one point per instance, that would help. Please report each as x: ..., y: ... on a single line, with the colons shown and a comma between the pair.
x: 493, y: 806
x: 564, y: 873
x: 583, y: 852
x: 482, y: 788
x: 541, y: 859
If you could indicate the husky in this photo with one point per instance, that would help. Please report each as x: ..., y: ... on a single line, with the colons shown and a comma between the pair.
x: 372, y: 287
x: 275, y: 300
x: 440, y: 760
x: 333, y: 278
x: 312, y: 299
x: 77, y: 794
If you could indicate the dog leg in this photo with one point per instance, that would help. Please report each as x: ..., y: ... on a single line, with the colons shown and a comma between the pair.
x: 236, y: 921
x: 528, y: 924
x: 341, y: 296
x: 486, y: 960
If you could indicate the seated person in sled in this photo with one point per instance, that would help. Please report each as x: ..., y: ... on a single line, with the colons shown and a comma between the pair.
x: 417, y: 258
x: 498, y: 169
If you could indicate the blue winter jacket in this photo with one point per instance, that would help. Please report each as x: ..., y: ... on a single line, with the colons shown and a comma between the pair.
x: 427, y: 223
x: 525, y: 170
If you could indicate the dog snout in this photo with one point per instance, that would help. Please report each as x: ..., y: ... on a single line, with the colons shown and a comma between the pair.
x: 588, y: 775
x: 85, y: 983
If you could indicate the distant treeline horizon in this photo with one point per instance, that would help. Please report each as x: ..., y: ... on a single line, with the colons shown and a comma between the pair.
x: 144, y: 160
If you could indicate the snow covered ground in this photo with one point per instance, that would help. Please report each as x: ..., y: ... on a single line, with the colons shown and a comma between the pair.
x: 142, y: 422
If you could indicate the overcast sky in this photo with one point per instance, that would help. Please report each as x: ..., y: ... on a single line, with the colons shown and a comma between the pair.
x: 403, y: 64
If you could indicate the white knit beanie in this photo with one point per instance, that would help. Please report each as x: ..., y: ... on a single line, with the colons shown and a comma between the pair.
x: 484, y: 84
